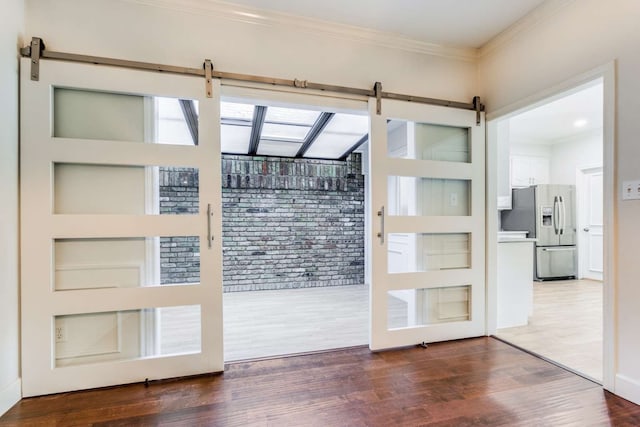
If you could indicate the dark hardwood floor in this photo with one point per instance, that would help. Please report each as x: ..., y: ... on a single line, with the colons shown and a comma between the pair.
x: 476, y: 382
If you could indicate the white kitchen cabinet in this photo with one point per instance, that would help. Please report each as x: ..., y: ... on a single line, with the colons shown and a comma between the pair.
x: 529, y: 170
x: 515, y: 281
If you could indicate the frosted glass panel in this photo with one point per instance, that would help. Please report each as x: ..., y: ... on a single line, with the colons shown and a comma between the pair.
x: 126, y: 190
x: 420, y: 307
x: 98, y: 115
x: 408, y: 252
x: 413, y: 196
x: 126, y: 262
x: 107, y: 116
x: 126, y: 335
x: 422, y: 141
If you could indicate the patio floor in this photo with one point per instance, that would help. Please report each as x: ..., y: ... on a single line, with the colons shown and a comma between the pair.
x: 260, y: 324
x: 276, y: 322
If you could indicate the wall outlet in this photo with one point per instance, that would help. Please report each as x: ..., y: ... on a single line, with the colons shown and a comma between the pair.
x: 631, y: 190
x: 60, y: 334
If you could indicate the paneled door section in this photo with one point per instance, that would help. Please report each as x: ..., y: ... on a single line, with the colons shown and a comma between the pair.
x: 427, y: 225
x: 121, y: 227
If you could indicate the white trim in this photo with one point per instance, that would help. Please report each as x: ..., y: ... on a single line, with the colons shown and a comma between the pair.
x: 249, y: 15
x: 540, y: 14
x: 605, y: 72
x: 10, y: 395
x: 628, y: 388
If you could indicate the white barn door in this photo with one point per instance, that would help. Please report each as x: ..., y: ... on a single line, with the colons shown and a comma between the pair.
x: 427, y: 224
x: 121, y: 227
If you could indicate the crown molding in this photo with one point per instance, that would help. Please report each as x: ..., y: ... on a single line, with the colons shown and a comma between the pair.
x: 247, y: 15
x: 526, y: 23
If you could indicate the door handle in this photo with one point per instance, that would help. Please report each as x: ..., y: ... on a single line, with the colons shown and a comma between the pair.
x: 381, y: 232
x: 555, y: 215
x: 209, y: 235
x: 563, y: 213
x: 559, y: 249
x: 586, y: 229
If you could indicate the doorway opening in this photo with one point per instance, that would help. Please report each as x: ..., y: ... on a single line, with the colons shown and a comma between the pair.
x: 550, y: 267
x: 293, y: 194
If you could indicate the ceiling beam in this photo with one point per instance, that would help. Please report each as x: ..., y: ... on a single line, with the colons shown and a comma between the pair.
x: 190, y: 117
x: 259, y: 114
x: 354, y: 147
x: 315, y: 131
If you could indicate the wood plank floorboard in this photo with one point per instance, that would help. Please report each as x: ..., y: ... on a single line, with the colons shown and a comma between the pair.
x: 475, y: 382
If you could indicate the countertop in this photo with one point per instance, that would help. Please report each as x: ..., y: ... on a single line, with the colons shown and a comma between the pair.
x: 515, y: 239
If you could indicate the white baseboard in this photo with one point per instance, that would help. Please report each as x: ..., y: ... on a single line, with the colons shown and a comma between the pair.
x: 10, y: 395
x: 628, y: 388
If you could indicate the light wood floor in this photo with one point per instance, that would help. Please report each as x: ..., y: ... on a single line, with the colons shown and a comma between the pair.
x: 475, y: 382
x: 270, y: 323
x: 566, y: 325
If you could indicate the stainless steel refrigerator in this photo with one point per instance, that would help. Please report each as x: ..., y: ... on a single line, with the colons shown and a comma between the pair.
x: 548, y: 213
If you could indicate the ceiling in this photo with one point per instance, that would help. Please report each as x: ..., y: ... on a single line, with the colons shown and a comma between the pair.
x: 455, y: 23
x: 557, y: 121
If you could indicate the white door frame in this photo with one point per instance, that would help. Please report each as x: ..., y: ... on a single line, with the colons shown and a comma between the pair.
x: 607, y: 73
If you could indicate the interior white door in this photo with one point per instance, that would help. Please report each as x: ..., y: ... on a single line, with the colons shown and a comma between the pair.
x: 591, y: 247
x: 121, y: 266
x: 428, y: 224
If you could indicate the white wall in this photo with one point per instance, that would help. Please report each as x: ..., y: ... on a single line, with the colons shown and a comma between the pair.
x: 578, y: 152
x: 130, y: 30
x: 532, y: 150
x: 11, y: 31
x: 577, y: 38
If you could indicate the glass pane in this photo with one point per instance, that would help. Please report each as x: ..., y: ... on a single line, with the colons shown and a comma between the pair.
x: 235, y: 139
x: 409, y: 253
x: 340, y: 134
x: 420, y: 307
x: 121, y: 117
x: 172, y: 127
x: 233, y: 110
x: 128, y: 190
x: 291, y: 115
x: 126, y: 262
x: 126, y: 335
x: 414, y: 196
x: 278, y: 131
x: 423, y: 141
x: 278, y: 148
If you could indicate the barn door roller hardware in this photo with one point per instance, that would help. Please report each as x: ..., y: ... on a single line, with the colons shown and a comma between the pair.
x: 36, y: 51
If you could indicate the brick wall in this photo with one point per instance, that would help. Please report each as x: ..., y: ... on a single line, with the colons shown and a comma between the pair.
x: 287, y: 223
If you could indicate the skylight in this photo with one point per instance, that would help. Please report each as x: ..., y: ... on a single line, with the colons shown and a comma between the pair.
x: 270, y: 131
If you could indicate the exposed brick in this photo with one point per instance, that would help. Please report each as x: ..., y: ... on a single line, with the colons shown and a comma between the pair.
x: 287, y: 223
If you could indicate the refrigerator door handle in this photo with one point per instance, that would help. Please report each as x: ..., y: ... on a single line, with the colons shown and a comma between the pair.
x: 556, y: 214
x: 563, y: 215
x: 559, y: 249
